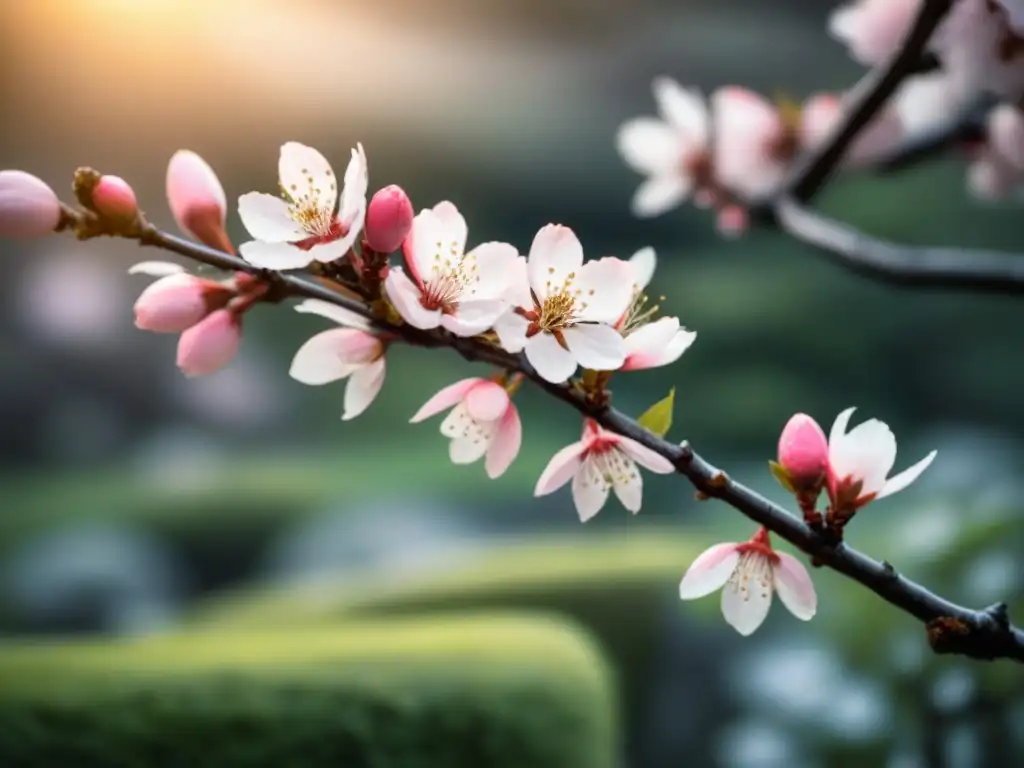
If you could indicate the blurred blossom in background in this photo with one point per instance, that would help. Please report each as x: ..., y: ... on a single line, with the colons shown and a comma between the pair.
x: 138, y: 502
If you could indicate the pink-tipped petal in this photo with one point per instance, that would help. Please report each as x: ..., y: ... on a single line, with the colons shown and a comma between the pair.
x: 560, y: 469
x: 445, y: 399
x: 710, y: 571
x: 197, y: 199
x: 487, y: 401
x: 28, y: 207
x: 795, y: 588
x: 362, y: 389
x: 177, y: 302
x: 506, y: 443
x: 333, y: 355
x: 210, y: 344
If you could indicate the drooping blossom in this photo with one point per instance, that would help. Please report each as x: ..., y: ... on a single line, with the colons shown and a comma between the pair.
x: 389, y: 219
x: 354, y: 352
x: 671, y: 150
x: 483, y: 422
x: 445, y: 286
x: 28, y: 207
x: 998, y: 170
x: 600, y: 462
x: 748, y: 573
x: 114, y: 197
x: 178, y: 300
x: 197, y: 199
x: 210, y: 344
x: 302, y: 226
x: 873, y: 30
x: 859, y: 463
x: 803, y: 453
x: 564, y: 312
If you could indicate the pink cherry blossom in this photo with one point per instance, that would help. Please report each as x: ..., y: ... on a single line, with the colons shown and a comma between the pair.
x: 197, y: 199
x: 822, y: 112
x: 210, y: 344
x: 445, y: 286
x: 293, y: 232
x: 28, y: 207
x: 873, y: 29
x: 670, y: 150
x: 113, y: 196
x: 803, y: 452
x: 600, y: 462
x: 178, y: 300
x: 354, y: 352
x: 655, y: 344
x: 753, y: 146
x: 999, y: 168
x: 565, y: 311
x: 483, y: 421
x: 389, y: 219
x: 859, y: 462
x: 748, y: 573
x: 980, y: 50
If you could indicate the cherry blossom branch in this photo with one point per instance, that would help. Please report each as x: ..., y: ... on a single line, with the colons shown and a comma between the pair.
x: 951, y: 628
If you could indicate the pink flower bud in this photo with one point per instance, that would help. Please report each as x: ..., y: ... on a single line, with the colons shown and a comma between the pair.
x: 113, y: 196
x: 177, y: 302
x: 197, y: 199
x: 388, y: 219
x: 210, y: 344
x: 28, y: 207
x: 803, y: 451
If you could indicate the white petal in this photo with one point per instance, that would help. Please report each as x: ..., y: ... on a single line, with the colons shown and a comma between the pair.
x: 517, y: 293
x: 487, y: 401
x: 333, y: 312
x: 555, y: 254
x: 867, y: 452
x: 840, y: 425
x: 649, y: 146
x: 651, y: 338
x: 474, y: 317
x: 362, y: 388
x: 605, y: 289
x: 645, y: 457
x: 642, y: 263
x: 589, y: 489
x: 795, y: 588
x: 405, y: 296
x: 156, y: 268
x: 266, y: 218
x: 906, y: 477
x: 306, y: 175
x: 1006, y: 134
x: 842, y: 23
x: 660, y: 194
x: 511, y: 329
x: 332, y: 250
x: 552, y: 362
x: 277, y: 256
x: 353, y: 194
x: 493, y: 267
x: 506, y: 443
x: 422, y: 248
x: 560, y: 469
x: 681, y: 342
x: 746, y: 608
x: 598, y: 347
x: 453, y: 226
x: 465, y: 450
x: 446, y: 398
x: 746, y: 126
x: 333, y: 355
x: 709, y: 571
x: 627, y: 483
x: 684, y: 109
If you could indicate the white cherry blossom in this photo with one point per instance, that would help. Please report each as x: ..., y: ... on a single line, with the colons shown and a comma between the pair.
x: 445, y: 286
x: 600, y: 462
x: 352, y: 352
x: 748, y: 573
x: 292, y: 231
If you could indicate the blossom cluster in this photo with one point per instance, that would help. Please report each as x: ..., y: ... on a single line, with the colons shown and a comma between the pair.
x: 734, y: 146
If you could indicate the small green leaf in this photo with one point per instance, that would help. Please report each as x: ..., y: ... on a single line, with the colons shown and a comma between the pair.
x: 658, y: 418
x: 781, y: 475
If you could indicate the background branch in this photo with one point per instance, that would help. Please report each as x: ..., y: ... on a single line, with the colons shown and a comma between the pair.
x: 981, y: 634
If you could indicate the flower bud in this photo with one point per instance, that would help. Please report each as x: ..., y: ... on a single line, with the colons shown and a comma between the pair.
x: 388, y: 219
x: 210, y: 344
x: 803, y: 452
x: 177, y: 302
x: 113, y: 196
x: 197, y: 199
x: 28, y: 207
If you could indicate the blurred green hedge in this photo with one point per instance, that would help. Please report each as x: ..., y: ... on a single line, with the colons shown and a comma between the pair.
x: 482, y: 691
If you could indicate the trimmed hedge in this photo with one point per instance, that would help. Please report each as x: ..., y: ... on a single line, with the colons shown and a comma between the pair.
x: 473, y: 692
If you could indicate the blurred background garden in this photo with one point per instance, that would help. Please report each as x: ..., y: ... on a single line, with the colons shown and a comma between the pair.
x: 249, y: 581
